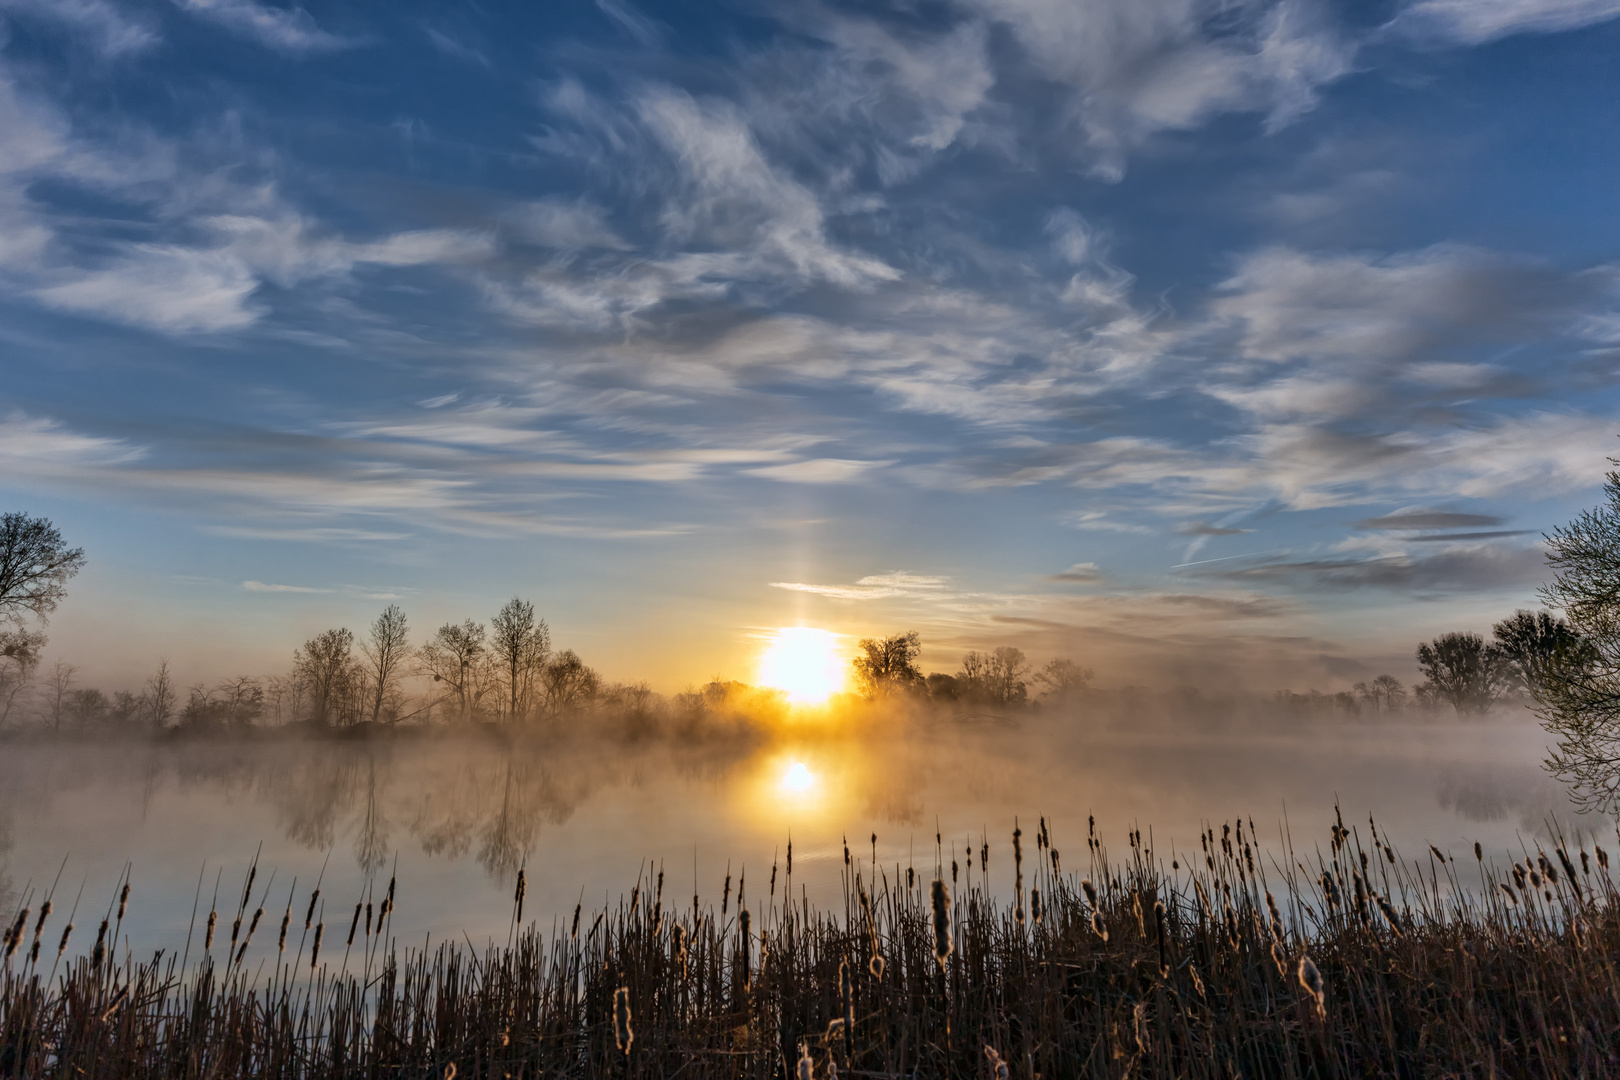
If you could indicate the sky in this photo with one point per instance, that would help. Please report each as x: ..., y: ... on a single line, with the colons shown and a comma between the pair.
x: 1236, y: 343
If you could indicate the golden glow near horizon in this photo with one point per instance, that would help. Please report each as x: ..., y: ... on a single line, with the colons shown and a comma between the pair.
x: 804, y: 663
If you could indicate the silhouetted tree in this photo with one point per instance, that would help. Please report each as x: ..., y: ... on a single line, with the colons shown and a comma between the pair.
x: 1063, y: 678
x: 888, y: 665
x: 1536, y: 641
x: 457, y: 658
x: 1465, y: 671
x: 386, y: 651
x: 1577, y: 693
x: 520, y: 644
x: 1391, y: 694
x: 19, y: 660
x: 996, y: 678
x: 326, y: 662
x: 58, y: 687
x: 35, y: 566
x: 943, y: 687
x: 160, y: 697
x: 568, y: 683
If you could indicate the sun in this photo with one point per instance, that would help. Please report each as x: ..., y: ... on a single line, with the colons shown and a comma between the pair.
x: 805, y: 663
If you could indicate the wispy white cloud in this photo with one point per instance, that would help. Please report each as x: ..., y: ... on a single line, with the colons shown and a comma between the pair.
x: 1474, y: 22
x: 266, y: 587
x: 285, y: 29
x: 109, y: 29
x: 897, y: 583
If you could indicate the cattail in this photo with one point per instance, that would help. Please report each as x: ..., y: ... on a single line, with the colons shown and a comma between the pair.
x: 254, y: 925
x: 1276, y: 916
x: 1602, y: 856
x: 368, y: 919
x: 1136, y: 909
x: 1509, y: 891
x: 522, y: 887
x: 123, y: 901
x: 1035, y: 905
x: 61, y: 947
x: 1586, y: 864
x: 1535, y: 878
x: 100, y: 949
x: 1097, y: 926
x: 1018, y: 873
x: 208, y: 941
x: 1139, y: 1026
x: 942, y: 923
x: 1280, y: 958
x: 1391, y: 915
x: 623, y: 1034
x: 1438, y: 853
x: 1158, y: 929
x: 39, y: 926
x: 309, y: 916
x: 236, y: 932
x: 450, y: 1071
x: 1479, y: 852
x: 1090, y: 890
x: 790, y: 858
x: 1569, y: 867
x: 807, y: 1066
x: 725, y: 897
x: 314, y: 953
x: 875, y: 966
x: 984, y: 857
x: 353, y: 926
x: 997, y: 1065
x: 1198, y: 983
x: 911, y: 878
x: 744, y: 920
x: 15, y: 932
x: 677, y: 938
x: 1311, y: 980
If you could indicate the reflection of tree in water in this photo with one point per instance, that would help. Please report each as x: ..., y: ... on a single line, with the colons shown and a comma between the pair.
x: 371, y: 842
x: 8, y: 888
x: 528, y: 796
x: 311, y: 793
x: 1489, y: 797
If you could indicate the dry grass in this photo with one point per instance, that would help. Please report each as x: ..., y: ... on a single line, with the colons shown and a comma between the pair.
x: 1230, y: 962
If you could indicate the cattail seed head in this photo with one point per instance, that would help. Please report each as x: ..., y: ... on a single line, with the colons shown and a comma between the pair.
x: 875, y: 966
x: 623, y: 1033
x: 1097, y: 925
x: 943, y: 943
x: 67, y: 932
x: 1602, y: 856
x: 1090, y: 891
x: 100, y: 949
x: 315, y: 953
x: 208, y: 942
x: 123, y: 901
x: 1280, y: 958
x: 1311, y: 980
x: 309, y: 916
x: 997, y: 1065
x: 1479, y: 852
x: 807, y: 1066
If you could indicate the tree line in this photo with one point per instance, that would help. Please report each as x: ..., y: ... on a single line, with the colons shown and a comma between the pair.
x: 887, y: 667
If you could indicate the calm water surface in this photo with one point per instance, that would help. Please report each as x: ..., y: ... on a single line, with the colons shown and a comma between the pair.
x: 455, y: 816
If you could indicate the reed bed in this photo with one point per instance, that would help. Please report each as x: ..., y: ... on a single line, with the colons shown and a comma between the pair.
x: 1230, y: 960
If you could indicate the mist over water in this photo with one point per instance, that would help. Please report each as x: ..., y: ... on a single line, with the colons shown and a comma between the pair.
x: 455, y: 815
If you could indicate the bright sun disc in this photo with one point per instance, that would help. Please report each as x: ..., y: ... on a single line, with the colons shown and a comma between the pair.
x: 804, y: 663
x: 798, y: 778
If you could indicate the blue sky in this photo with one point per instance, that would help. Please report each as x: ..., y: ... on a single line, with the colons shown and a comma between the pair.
x: 1237, y: 342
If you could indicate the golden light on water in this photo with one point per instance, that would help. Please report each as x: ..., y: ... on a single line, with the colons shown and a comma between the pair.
x: 804, y: 663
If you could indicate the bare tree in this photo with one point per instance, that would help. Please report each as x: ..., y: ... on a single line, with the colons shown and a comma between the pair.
x: 457, y: 657
x: 520, y: 644
x: 161, y: 697
x: 327, y: 664
x: 1063, y: 678
x: 35, y: 566
x: 58, y: 688
x: 888, y: 665
x: 386, y: 652
x: 1391, y: 694
x: 996, y: 677
x: 19, y: 660
x: 568, y: 683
